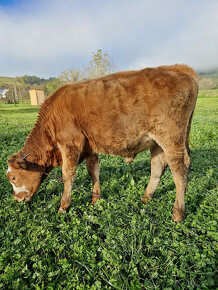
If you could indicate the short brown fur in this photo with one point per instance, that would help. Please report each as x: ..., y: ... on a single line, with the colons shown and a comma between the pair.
x: 121, y: 114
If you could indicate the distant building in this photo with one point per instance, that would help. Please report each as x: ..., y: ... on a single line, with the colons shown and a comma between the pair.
x: 37, y: 97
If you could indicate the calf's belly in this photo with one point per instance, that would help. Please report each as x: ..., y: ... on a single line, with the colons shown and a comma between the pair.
x: 128, y: 148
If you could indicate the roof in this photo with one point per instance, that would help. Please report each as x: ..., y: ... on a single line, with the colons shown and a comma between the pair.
x: 36, y: 90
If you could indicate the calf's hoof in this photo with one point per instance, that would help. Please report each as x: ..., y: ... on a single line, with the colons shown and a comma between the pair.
x: 95, y: 199
x: 61, y: 210
x: 145, y: 200
x: 178, y: 215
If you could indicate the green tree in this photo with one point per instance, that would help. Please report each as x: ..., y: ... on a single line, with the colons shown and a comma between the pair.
x: 52, y: 86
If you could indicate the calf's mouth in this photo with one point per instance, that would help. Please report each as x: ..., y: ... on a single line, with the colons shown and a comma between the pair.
x: 22, y: 197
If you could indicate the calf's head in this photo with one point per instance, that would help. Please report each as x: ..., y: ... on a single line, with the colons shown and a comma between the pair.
x: 24, y: 178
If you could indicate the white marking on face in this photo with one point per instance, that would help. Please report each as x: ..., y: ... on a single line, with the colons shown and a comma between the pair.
x: 9, y: 169
x: 17, y: 190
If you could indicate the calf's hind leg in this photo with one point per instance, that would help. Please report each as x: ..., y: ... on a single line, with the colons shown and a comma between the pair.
x: 187, y: 159
x: 92, y: 165
x: 158, y: 165
x: 175, y: 158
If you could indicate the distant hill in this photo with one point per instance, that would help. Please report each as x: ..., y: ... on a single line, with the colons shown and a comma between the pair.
x: 20, y: 86
x: 28, y: 80
x: 6, y: 81
x: 209, y: 74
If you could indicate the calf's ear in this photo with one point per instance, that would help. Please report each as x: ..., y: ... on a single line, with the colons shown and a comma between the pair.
x: 22, y: 163
x: 12, y: 159
x: 17, y: 162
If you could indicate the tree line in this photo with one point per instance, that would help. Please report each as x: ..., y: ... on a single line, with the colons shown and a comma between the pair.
x: 100, y: 64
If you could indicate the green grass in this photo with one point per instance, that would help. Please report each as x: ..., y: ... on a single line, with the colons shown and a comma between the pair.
x: 119, y: 243
x: 208, y: 93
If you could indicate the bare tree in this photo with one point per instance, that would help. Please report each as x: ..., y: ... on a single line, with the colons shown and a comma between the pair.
x: 71, y: 75
x: 207, y: 83
x: 100, y: 65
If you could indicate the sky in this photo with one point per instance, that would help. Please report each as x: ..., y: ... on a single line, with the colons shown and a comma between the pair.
x: 46, y: 37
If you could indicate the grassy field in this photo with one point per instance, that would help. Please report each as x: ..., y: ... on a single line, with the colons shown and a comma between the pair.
x: 208, y: 93
x: 119, y: 243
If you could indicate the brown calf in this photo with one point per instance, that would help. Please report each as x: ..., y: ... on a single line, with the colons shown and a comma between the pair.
x: 121, y: 114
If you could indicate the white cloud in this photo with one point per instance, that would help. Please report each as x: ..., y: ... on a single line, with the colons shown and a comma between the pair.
x: 195, y: 45
x: 43, y: 38
x: 46, y: 37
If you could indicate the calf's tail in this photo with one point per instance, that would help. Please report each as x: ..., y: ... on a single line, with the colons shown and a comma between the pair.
x: 187, y: 141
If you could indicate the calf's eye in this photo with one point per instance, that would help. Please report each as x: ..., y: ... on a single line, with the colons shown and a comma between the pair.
x: 13, y: 178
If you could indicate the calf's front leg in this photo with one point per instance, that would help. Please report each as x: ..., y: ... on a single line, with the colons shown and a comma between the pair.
x: 70, y: 159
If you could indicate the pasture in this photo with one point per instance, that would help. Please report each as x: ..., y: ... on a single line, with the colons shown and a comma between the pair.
x: 119, y: 243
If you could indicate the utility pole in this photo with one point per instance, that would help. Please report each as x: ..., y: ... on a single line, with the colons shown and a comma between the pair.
x: 15, y: 94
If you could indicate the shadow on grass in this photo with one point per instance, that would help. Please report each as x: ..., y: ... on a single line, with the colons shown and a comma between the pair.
x: 203, y: 161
